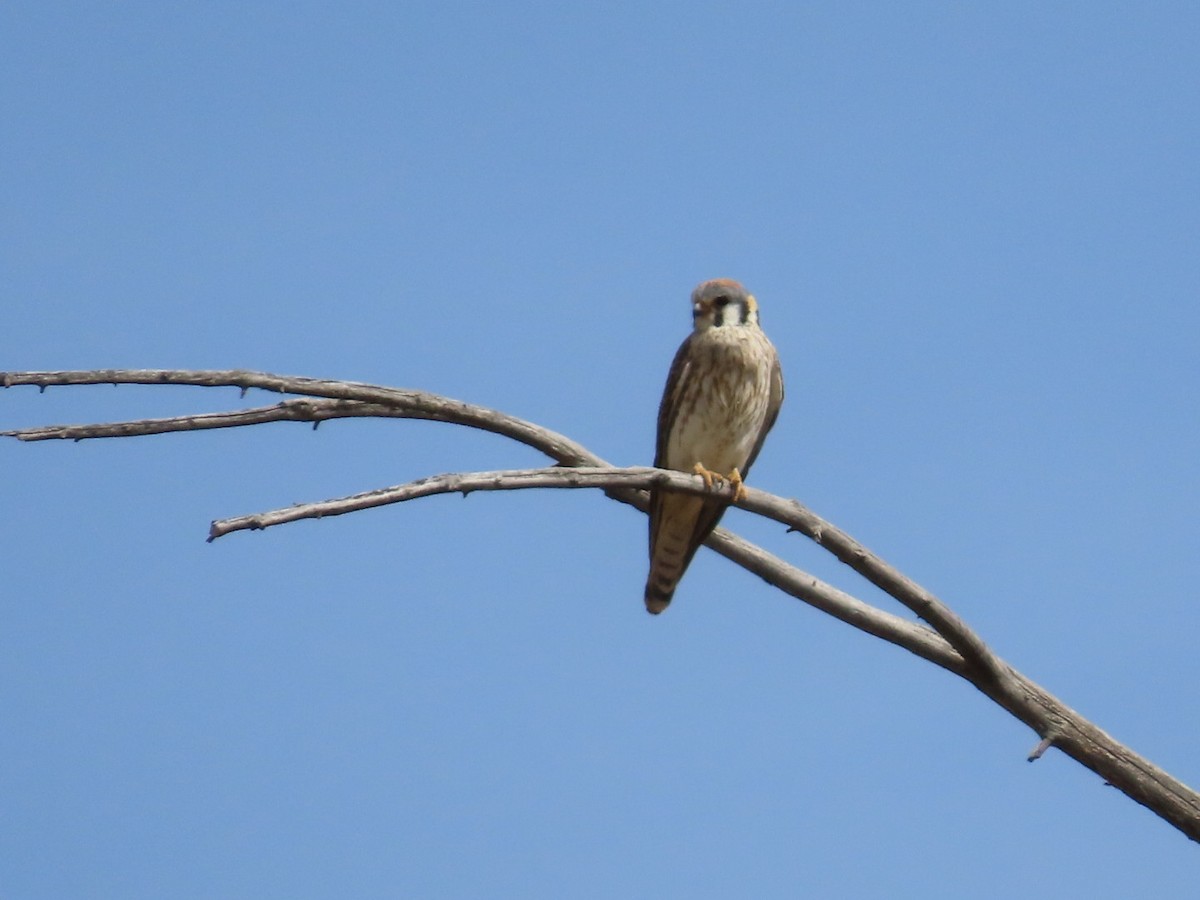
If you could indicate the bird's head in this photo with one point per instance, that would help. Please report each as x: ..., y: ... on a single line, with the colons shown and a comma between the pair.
x: 721, y: 303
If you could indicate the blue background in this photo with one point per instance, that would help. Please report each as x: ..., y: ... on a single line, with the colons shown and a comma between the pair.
x: 974, y: 233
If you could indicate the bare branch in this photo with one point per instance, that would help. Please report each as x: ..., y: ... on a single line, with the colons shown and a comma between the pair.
x: 954, y: 646
x: 1028, y: 701
x: 969, y: 646
x: 403, y: 403
x: 909, y: 635
x: 639, y: 478
x: 315, y: 411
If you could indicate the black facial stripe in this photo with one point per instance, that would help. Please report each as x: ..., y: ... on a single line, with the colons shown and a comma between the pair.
x: 719, y: 305
x: 722, y: 307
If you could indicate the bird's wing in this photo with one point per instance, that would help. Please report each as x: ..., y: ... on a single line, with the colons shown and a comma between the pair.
x: 669, y: 407
x: 773, y: 405
x: 670, y: 511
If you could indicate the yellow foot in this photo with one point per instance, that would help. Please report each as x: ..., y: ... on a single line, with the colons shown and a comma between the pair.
x: 709, y: 477
x: 739, y: 489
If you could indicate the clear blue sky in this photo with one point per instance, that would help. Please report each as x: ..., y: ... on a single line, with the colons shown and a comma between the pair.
x: 974, y: 233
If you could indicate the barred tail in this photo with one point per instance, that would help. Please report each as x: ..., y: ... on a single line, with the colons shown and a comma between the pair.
x: 671, y: 549
x: 678, y: 526
x: 659, y: 593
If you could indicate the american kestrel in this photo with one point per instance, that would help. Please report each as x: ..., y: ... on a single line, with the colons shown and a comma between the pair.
x: 722, y: 397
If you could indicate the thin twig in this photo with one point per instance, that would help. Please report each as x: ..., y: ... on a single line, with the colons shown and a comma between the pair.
x: 639, y: 478
x: 1042, y: 746
x: 301, y: 410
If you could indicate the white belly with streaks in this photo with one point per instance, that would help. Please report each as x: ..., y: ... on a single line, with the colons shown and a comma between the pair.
x: 722, y: 414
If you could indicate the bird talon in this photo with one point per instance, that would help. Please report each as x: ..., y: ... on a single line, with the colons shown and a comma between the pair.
x: 739, y: 488
x: 708, y: 476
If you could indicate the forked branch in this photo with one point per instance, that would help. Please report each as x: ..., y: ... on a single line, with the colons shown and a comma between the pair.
x: 948, y: 642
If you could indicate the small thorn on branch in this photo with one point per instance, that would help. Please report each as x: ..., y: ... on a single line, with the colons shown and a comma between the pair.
x: 815, y: 533
x: 1043, y: 745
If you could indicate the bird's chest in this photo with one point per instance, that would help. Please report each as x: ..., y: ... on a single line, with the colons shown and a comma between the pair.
x: 722, y: 407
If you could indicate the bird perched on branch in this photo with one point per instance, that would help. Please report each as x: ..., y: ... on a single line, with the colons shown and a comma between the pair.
x: 723, y: 394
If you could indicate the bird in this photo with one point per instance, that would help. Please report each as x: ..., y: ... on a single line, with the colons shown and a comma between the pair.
x: 723, y: 394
